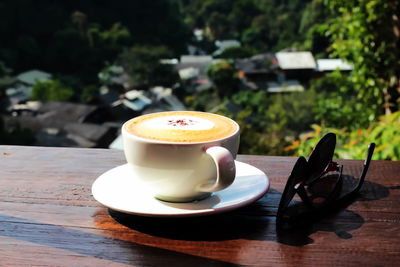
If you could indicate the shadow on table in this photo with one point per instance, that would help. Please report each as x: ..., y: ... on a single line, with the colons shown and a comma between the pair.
x: 253, y: 222
x: 85, y: 247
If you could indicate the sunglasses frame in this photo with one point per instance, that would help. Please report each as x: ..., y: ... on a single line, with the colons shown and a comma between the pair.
x: 303, y: 175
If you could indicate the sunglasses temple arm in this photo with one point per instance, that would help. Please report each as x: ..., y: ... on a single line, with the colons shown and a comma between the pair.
x: 367, y: 161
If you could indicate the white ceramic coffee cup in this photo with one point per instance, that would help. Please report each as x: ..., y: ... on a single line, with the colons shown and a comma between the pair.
x: 182, y: 172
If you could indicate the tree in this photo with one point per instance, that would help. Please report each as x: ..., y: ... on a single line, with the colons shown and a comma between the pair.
x: 224, y: 77
x: 257, y: 35
x: 52, y: 90
x: 367, y: 33
x: 261, y: 24
x: 241, y: 16
x: 268, y: 122
x: 218, y: 26
x: 313, y: 27
x: 143, y: 65
x: 336, y: 103
x: 352, y: 144
x: 71, y: 37
x: 283, y: 22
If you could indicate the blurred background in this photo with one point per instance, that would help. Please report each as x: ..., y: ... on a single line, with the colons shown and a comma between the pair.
x: 288, y: 71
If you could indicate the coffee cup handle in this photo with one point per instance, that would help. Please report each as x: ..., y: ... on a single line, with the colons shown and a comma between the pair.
x: 226, y: 170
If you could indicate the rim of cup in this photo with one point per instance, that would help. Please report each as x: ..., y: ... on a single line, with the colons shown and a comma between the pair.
x: 148, y: 140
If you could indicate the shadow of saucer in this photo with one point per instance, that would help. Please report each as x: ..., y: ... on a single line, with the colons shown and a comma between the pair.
x: 217, y: 227
x: 256, y: 221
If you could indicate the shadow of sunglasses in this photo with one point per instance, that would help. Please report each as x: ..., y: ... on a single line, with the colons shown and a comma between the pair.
x: 319, y: 182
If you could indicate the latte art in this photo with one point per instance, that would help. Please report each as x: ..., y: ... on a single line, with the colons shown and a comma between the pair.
x: 181, y: 126
x: 179, y: 123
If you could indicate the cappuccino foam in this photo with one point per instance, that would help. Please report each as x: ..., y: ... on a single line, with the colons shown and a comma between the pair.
x: 181, y: 126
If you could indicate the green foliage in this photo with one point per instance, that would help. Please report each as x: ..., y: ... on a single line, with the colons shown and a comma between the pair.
x: 365, y: 33
x: 203, y: 101
x: 262, y: 25
x: 60, y: 37
x: 283, y: 22
x: 52, y: 90
x: 385, y: 133
x: 224, y: 77
x: 15, y: 134
x: 313, y: 28
x: 293, y: 112
x: 252, y: 108
x: 268, y: 122
x: 337, y: 104
x: 4, y: 70
x: 89, y: 94
x: 314, y: 13
x: 143, y: 65
x: 218, y: 26
x: 5, y: 79
x: 114, y: 37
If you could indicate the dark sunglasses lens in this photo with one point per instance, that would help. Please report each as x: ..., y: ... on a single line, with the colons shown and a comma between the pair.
x: 326, y: 187
x: 321, y: 156
x: 297, y: 175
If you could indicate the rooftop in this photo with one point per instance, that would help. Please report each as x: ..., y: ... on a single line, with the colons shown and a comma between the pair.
x: 31, y: 76
x: 331, y: 64
x: 296, y: 60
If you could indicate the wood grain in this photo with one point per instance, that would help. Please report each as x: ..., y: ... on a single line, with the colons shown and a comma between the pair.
x: 48, y: 217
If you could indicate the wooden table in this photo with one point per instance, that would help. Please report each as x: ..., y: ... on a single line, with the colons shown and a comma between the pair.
x: 48, y: 217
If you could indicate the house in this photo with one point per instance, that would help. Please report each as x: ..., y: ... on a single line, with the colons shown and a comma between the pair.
x: 137, y: 100
x: 129, y: 105
x: 195, y: 59
x: 188, y: 73
x: 258, y: 68
x: 163, y: 99
x: 56, y: 113
x: 114, y: 75
x: 166, y: 100
x: 296, y: 65
x: 193, y: 68
x: 194, y: 63
x: 296, y: 60
x: 108, y: 95
x: 54, y: 137
x: 331, y: 64
x: 21, y: 90
x: 18, y: 93
x: 67, y: 112
x: 98, y: 135
x: 63, y: 124
x: 32, y: 76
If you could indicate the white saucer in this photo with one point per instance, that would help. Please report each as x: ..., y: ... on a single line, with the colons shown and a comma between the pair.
x: 118, y: 190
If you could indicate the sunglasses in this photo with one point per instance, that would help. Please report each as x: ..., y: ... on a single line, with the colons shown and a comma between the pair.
x: 319, y: 183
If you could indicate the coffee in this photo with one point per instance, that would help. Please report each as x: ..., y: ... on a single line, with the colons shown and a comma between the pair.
x: 181, y: 126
